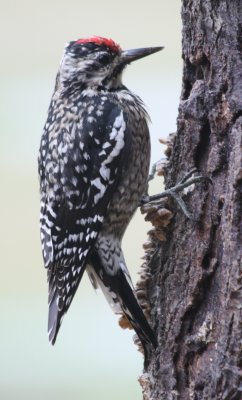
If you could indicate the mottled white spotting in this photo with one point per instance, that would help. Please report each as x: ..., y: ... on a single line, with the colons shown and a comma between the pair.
x: 90, y: 109
x: 87, y: 238
x: 62, y: 166
x: 93, y: 234
x: 105, y: 172
x: 56, y: 187
x: 62, y: 148
x: 102, y: 153
x: 49, y: 243
x: 73, y: 237
x: 48, y: 166
x: 67, y: 288
x: 53, y: 143
x: 84, y: 221
x: 90, y: 119
x: 97, y: 141
x: 98, y: 184
x: 85, y: 179
x: 113, y: 133
x: 97, y: 197
x: 55, y: 154
x: 119, y: 137
x: 99, y: 113
x: 68, y: 251
x: 43, y: 152
x: 56, y: 169
x: 91, y: 133
x: 81, y: 145
x: 106, y: 145
x: 86, y: 155
x: 85, y: 252
x: 68, y: 301
x: 75, y: 155
x: 42, y: 235
x: 74, y: 181
x: 95, y: 218
x: 74, y: 109
x: 73, y: 271
x: 78, y: 169
x: 47, y: 223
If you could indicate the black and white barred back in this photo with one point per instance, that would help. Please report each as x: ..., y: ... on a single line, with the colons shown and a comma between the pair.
x: 93, y: 166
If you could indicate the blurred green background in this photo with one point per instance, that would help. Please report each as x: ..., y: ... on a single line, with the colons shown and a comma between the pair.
x: 93, y: 358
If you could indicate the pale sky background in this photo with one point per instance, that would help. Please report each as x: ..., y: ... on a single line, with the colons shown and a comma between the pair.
x: 93, y: 358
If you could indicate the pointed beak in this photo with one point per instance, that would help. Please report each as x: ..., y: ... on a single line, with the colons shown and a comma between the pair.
x: 127, y: 56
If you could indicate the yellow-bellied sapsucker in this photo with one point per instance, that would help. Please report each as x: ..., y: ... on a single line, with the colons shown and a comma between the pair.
x: 93, y: 166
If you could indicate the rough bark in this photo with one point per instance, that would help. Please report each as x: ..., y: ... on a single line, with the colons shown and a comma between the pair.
x: 195, y: 286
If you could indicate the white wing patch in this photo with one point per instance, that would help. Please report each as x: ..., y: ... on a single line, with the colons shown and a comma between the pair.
x: 98, y: 184
x: 116, y: 135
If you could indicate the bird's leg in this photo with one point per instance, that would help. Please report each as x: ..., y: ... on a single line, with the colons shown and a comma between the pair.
x: 174, y: 191
x: 153, y: 171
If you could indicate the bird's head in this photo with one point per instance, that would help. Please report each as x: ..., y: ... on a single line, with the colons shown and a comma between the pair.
x: 97, y: 62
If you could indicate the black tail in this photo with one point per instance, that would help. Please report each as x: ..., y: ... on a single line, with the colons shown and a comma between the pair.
x: 60, y: 298
x: 135, y: 315
x: 118, y: 291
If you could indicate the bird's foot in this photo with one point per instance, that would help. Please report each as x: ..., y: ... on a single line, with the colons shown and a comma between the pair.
x: 188, y: 180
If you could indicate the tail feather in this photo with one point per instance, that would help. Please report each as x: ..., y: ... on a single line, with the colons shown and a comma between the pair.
x: 136, y: 317
x: 120, y: 295
x: 134, y: 313
x: 53, y: 319
x: 63, y: 284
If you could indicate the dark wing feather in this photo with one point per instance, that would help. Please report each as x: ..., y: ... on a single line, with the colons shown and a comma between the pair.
x: 79, y: 171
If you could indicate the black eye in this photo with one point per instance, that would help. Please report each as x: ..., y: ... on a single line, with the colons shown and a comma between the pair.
x: 104, y: 59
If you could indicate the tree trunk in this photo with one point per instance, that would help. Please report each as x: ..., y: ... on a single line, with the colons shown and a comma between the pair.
x: 195, y: 288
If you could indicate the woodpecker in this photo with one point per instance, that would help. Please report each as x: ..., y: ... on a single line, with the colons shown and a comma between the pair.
x: 93, y: 165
